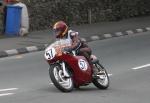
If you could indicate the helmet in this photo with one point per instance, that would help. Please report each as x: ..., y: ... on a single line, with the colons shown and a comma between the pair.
x: 60, y: 28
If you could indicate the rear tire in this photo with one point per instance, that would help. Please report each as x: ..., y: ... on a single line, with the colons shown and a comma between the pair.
x: 102, y: 82
x: 64, y: 84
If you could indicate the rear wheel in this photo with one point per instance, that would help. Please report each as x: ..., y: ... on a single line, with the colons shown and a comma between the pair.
x: 101, y: 79
x: 65, y: 84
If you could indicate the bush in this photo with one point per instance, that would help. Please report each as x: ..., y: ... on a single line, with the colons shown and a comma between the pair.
x: 44, y: 13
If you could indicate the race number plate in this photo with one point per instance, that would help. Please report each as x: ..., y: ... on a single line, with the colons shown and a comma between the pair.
x: 82, y: 64
x: 50, y: 54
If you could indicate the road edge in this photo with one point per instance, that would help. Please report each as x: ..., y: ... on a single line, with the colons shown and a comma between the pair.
x: 12, y: 52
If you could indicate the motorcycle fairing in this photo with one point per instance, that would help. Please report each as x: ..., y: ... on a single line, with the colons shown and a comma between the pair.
x: 80, y: 76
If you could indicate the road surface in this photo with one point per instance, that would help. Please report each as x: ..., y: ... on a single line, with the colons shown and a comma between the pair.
x: 25, y: 79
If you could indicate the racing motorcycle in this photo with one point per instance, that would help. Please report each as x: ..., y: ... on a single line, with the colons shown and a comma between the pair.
x: 68, y: 70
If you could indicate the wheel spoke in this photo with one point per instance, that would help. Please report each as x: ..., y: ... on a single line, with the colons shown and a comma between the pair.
x: 65, y: 82
x: 103, y: 79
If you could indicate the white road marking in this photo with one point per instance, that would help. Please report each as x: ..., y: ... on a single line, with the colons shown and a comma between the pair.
x: 110, y: 75
x: 11, y: 52
x: 107, y: 35
x: 95, y: 37
x: 32, y: 48
x: 129, y: 32
x: 148, y: 28
x: 140, y: 67
x: 119, y: 33
x: 51, y: 83
x: 9, y: 89
x: 139, y: 30
x: 6, y: 94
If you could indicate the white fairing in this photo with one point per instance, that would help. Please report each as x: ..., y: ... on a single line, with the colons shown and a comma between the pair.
x: 50, y: 53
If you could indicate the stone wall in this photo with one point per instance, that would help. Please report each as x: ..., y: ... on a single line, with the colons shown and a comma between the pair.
x: 44, y: 13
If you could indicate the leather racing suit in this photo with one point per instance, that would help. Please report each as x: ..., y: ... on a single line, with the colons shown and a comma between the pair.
x: 78, y: 45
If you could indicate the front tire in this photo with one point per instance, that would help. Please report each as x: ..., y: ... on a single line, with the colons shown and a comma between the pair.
x: 102, y: 80
x: 64, y: 84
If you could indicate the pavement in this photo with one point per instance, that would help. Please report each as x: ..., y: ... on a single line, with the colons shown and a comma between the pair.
x: 38, y: 40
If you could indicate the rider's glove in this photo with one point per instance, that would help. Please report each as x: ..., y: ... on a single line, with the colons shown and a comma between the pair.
x: 67, y: 49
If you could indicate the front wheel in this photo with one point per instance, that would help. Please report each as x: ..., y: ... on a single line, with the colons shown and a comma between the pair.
x: 102, y: 79
x: 65, y: 84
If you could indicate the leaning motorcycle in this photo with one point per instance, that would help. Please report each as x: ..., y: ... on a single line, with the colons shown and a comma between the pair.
x: 68, y: 70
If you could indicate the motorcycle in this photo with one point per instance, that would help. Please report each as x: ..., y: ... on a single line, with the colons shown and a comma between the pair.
x: 68, y: 70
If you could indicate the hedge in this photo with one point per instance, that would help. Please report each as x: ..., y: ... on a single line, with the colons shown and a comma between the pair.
x: 44, y: 13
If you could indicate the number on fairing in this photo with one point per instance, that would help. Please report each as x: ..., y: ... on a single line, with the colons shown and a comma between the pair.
x: 50, y: 54
x: 82, y: 64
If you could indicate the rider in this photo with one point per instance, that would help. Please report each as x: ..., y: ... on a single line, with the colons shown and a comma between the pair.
x: 62, y: 32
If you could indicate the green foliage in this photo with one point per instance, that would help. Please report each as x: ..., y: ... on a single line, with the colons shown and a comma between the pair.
x: 44, y: 13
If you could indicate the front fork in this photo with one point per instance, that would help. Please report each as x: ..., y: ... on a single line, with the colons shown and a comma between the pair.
x: 98, y: 66
x: 64, y: 70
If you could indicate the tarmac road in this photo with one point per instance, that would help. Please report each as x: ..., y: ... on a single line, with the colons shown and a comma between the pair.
x: 25, y: 79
